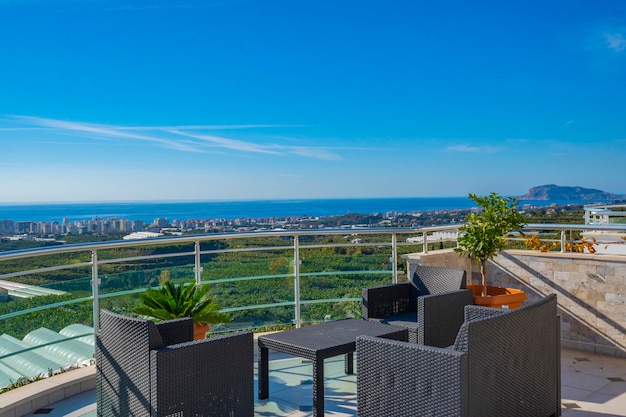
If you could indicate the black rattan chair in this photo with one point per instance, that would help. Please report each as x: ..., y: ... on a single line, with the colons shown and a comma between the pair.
x: 156, y: 369
x: 503, y: 363
x: 430, y: 305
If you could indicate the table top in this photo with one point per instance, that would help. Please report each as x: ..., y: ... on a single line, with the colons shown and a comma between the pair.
x: 328, y: 338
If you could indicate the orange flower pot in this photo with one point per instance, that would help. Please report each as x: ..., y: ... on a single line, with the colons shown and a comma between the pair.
x: 498, y: 297
x: 200, y: 330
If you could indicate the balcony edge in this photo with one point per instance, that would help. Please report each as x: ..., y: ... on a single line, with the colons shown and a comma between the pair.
x: 39, y: 394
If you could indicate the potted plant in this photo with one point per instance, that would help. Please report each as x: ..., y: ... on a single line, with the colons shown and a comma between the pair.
x: 483, y: 236
x: 173, y: 301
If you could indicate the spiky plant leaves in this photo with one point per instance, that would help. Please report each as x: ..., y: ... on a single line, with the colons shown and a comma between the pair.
x: 173, y: 301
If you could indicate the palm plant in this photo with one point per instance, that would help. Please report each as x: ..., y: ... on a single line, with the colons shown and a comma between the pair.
x: 173, y: 301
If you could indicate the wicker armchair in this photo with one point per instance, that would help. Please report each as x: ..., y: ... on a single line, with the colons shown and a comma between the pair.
x: 503, y: 363
x: 156, y: 369
x: 430, y: 305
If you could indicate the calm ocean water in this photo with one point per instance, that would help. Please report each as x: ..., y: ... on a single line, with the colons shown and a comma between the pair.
x: 148, y: 211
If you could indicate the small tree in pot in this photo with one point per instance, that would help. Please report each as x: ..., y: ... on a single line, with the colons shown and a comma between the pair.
x: 173, y: 301
x: 485, y: 232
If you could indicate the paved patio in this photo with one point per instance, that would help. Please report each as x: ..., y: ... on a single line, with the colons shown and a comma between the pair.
x: 592, y: 385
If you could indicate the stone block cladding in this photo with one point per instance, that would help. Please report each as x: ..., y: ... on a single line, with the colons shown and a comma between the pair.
x: 591, y: 290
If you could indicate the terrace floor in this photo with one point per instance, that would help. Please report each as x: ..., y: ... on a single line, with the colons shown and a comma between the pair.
x: 592, y: 385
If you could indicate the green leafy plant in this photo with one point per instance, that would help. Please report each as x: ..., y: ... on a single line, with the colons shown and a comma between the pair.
x: 585, y: 244
x: 485, y: 232
x: 173, y: 301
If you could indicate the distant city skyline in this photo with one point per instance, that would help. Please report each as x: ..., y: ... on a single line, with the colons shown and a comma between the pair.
x: 207, y: 100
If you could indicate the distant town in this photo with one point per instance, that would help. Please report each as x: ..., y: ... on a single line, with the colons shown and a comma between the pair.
x: 119, y: 228
x: 161, y: 225
x: 136, y: 229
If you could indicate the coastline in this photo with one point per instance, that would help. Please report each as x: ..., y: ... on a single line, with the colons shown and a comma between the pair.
x: 254, y: 209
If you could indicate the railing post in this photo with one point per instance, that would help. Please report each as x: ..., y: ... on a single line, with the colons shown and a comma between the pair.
x: 425, y: 242
x: 563, y: 241
x: 95, y: 287
x: 197, y: 267
x: 296, y: 279
x: 394, y: 257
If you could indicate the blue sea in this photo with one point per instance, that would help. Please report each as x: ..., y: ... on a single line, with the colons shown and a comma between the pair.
x: 148, y: 211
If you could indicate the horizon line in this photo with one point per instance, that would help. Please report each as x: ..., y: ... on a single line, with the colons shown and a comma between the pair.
x: 234, y: 200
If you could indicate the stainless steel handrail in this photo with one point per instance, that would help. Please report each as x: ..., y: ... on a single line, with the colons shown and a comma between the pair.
x: 297, y: 247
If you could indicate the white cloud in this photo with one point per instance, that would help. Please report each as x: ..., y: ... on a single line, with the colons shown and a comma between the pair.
x: 317, y: 153
x: 615, y: 41
x: 202, y: 127
x: 275, y: 149
x: 232, y: 144
x: 103, y: 131
x: 471, y: 149
x: 172, y: 137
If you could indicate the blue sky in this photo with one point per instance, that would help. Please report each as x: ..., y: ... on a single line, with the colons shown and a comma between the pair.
x: 108, y: 100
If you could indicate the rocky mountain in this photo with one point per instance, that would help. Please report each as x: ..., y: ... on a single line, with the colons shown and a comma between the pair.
x: 556, y: 192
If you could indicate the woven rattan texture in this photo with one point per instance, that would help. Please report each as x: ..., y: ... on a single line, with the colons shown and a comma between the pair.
x: 436, y: 280
x: 441, y: 316
x: 435, y: 297
x: 174, y: 331
x: 514, y: 362
x: 326, y: 339
x: 138, y: 376
x: 317, y: 343
x: 407, y: 379
x: 503, y: 364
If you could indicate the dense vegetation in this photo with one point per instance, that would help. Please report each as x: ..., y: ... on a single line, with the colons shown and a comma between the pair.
x: 238, y: 279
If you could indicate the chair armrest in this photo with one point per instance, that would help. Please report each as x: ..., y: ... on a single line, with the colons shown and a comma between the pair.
x: 440, y: 316
x: 473, y: 312
x: 213, y: 376
x: 386, y: 300
x: 176, y: 331
x: 396, y: 378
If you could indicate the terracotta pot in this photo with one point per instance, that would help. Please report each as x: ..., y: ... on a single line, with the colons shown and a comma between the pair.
x: 200, y: 330
x: 498, y: 297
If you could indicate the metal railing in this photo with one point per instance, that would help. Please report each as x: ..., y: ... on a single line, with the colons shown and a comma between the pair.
x: 425, y: 239
x: 605, y: 214
x: 303, y: 258
x: 424, y: 234
x: 590, y: 232
x: 96, y: 262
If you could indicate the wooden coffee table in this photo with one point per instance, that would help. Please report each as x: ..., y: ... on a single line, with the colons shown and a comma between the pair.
x: 317, y: 343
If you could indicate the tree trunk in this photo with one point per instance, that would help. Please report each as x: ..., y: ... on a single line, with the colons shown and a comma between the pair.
x: 483, y: 272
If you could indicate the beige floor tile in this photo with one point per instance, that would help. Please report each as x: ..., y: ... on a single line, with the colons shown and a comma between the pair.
x: 586, y: 389
x: 583, y: 381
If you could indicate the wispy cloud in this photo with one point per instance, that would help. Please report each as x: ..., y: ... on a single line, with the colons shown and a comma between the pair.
x: 232, y: 144
x: 102, y: 131
x: 204, y: 127
x: 471, y: 149
x: 179, y: 138
x: 317, y: 153
x: 615, y: 41
x: 274, y: 149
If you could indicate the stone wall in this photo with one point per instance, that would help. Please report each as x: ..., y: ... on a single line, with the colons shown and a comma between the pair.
x: 591, y: 290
